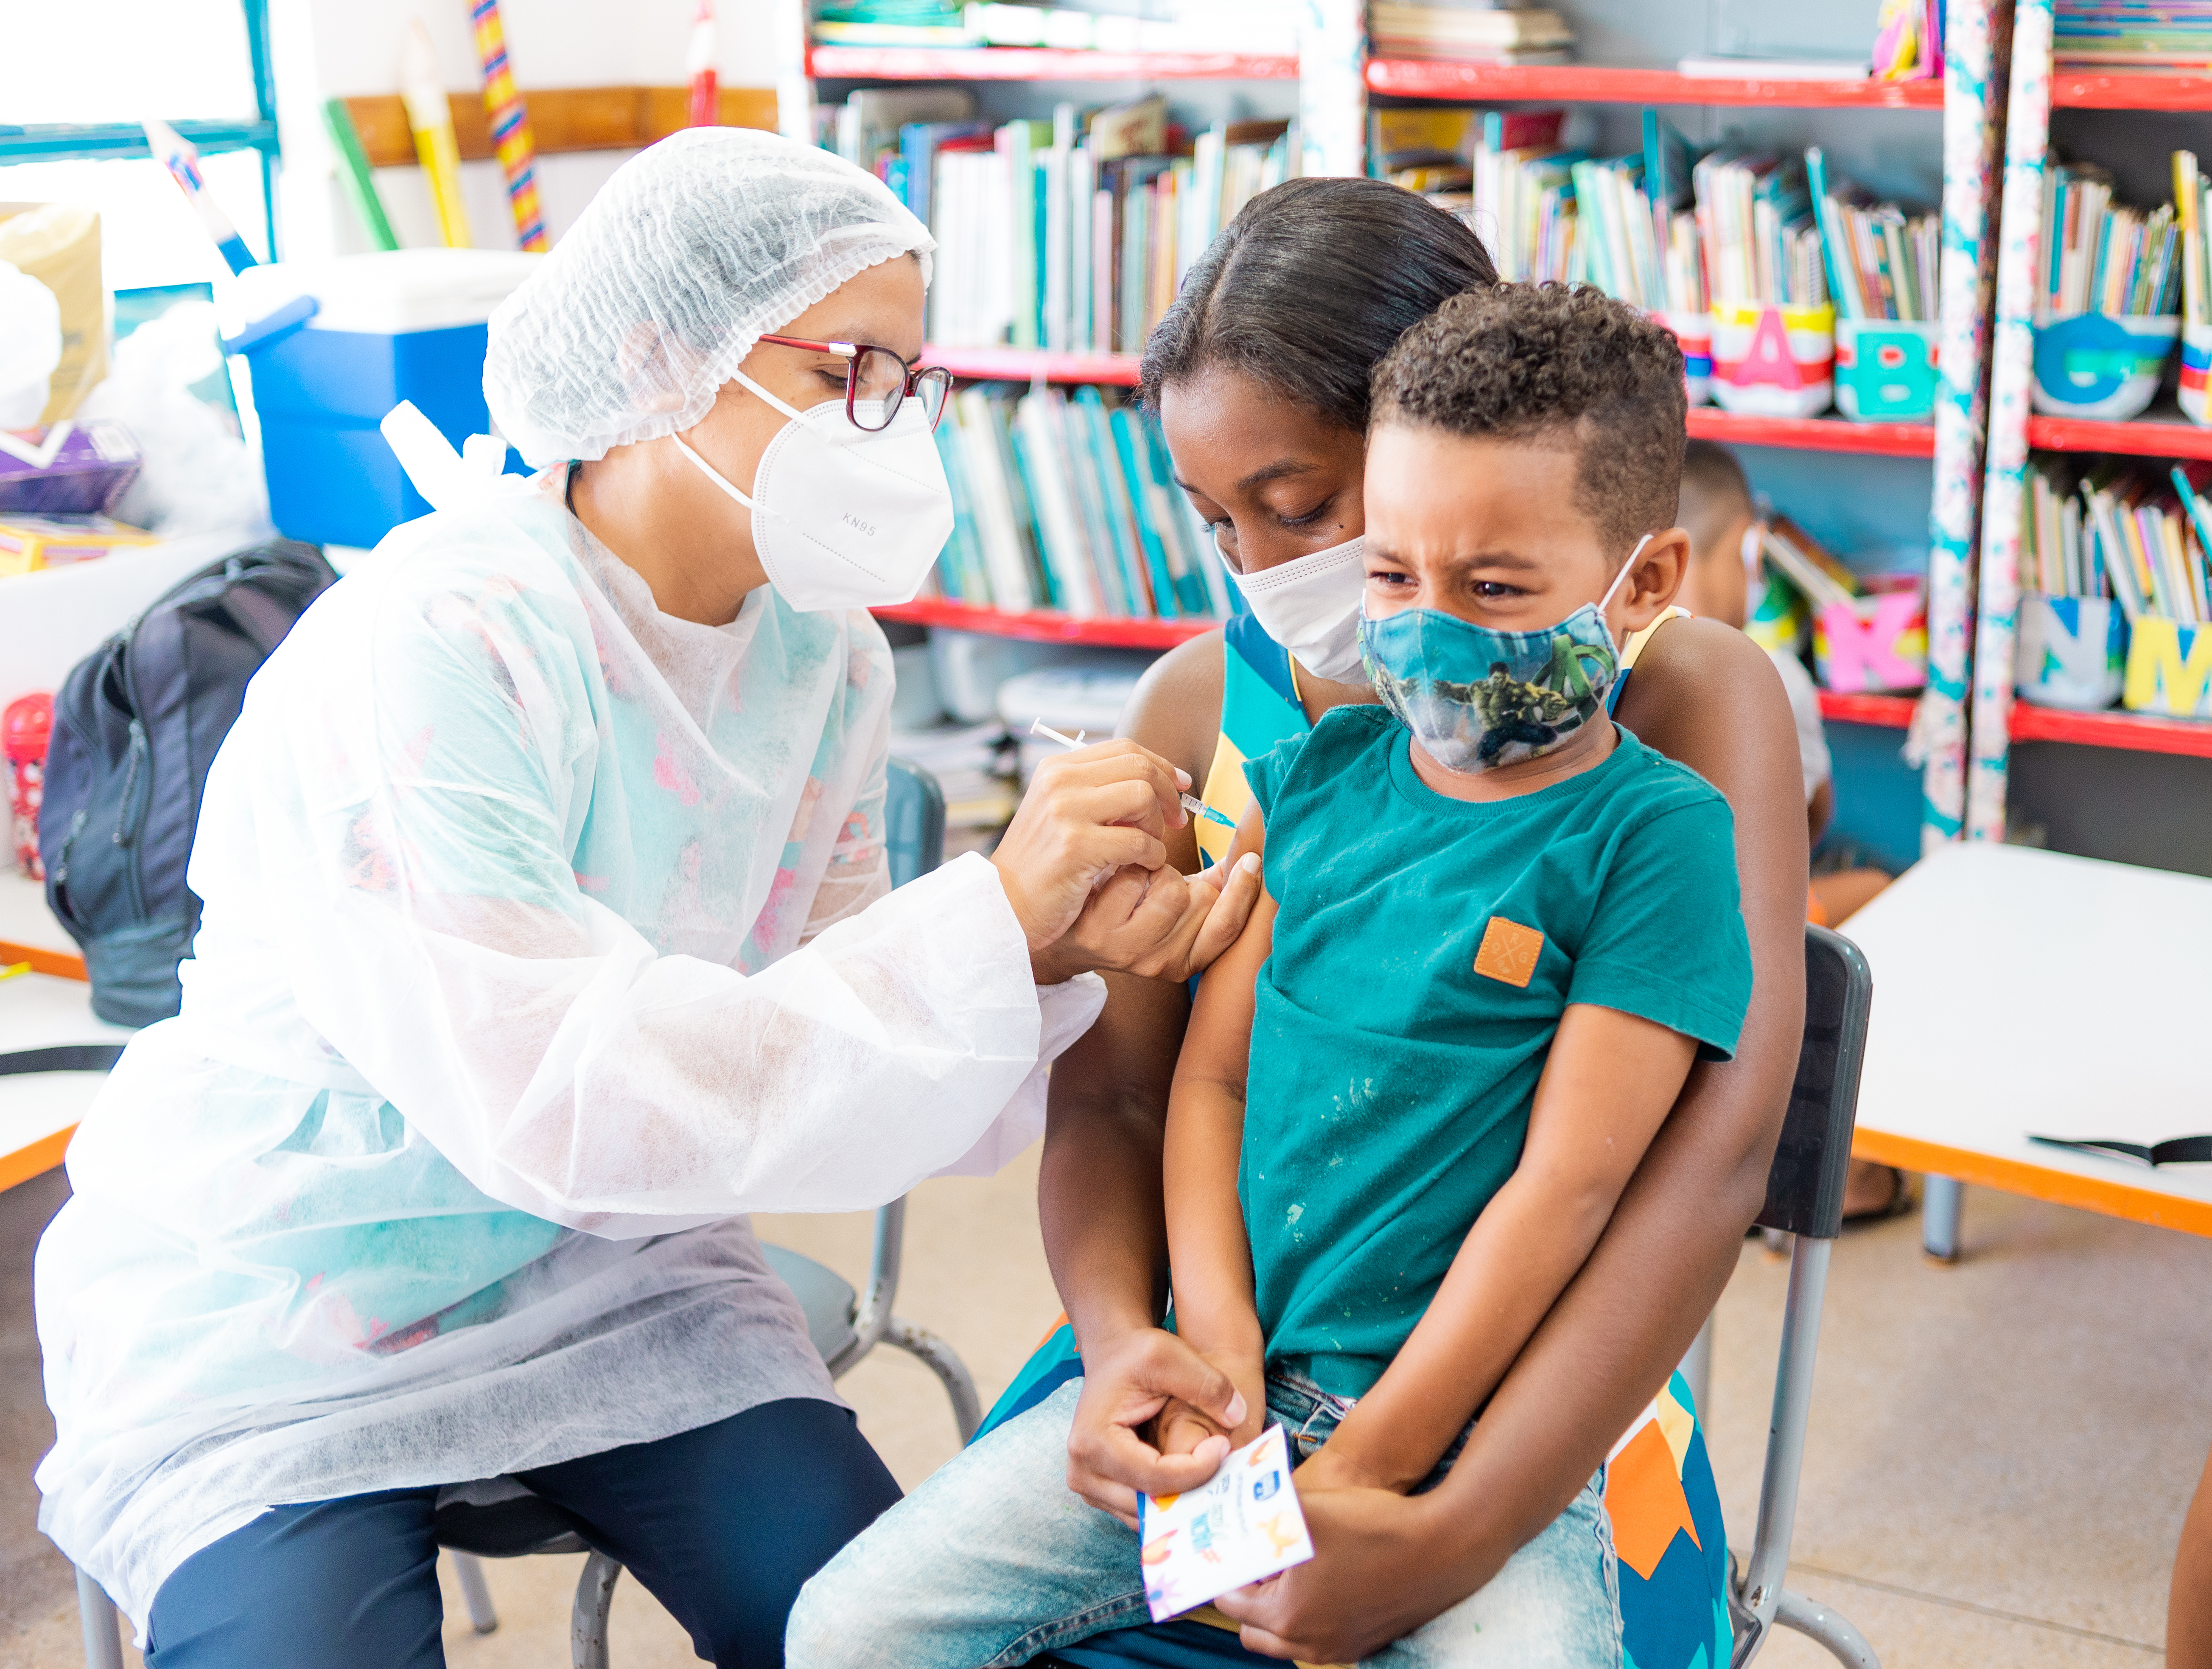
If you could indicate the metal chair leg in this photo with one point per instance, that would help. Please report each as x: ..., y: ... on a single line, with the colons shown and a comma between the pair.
x: 476, y: 1592
x: 1940, y: 1201
x: 1816, y: 1622
x: 595, y: 1598
x: 945, y: 1363
x: 1698, y: 1369
x: 96, y: 1616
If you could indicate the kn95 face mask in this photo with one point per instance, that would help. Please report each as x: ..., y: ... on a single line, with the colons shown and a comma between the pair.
x: 842, y: 517
x: 1476, y: 698
x: 1311, y: 605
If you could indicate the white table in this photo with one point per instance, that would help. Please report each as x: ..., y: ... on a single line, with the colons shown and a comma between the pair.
x: 2017, y: 990
x: 39, y: 1111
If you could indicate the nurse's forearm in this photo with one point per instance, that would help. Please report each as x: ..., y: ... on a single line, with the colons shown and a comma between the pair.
x: 1098, y: 1188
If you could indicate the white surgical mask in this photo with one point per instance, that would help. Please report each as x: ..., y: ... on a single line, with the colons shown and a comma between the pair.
x: 1311, y: 605
x: 843, y: 518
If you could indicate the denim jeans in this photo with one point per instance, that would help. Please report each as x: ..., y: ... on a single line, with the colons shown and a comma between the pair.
x: 994, y: 1561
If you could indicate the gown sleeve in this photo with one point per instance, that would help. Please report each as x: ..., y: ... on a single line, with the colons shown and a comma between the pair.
x: 410, y: 814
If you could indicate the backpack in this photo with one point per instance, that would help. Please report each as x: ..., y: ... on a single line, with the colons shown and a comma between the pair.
x: 135, y: 728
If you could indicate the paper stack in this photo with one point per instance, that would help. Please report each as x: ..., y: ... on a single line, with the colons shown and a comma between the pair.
x: 1468, y: 33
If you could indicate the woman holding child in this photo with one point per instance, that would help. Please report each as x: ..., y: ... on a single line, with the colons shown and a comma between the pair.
x: 1509, y: 445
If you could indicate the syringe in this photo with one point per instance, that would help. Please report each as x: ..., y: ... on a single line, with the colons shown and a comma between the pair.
x: 1191, y: 802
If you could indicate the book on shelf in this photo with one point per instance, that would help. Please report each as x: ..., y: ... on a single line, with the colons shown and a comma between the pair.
x: 1713, y: 67
x: 1755, y: 220
x: 1070, y: 234
x: 1810, y: 569
x: 1069, y: 501
x: 1409, y: 28
x: 1881, y: 262
x: 2099, y: 34
x: 1251, y: 27
x: 2146, y: 537
x: 2100, y: 256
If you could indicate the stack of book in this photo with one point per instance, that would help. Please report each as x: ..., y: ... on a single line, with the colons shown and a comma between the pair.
x: 1522, y: 200
x: 1195, y: 25
x: 2123, y: 34
x: 1881, y: 262
x: 2100, y: 257
x: 1755, y: 219
x: 1468, y: 31
x: 1810, y: 569
x: 1069, y: 501
x: 2150, y: 540
x: 1070, y: 234
x: 2060, y: 555
x: 2193, y: 204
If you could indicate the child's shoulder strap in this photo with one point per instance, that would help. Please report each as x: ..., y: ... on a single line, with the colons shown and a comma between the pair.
x: 1634, y: 647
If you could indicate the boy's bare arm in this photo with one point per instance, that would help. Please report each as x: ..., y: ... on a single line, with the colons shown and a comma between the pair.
x: 1607, y: 1084
x: 1209, y: 1253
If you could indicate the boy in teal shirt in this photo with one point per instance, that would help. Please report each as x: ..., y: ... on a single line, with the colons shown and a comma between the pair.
x: 1497, y: 933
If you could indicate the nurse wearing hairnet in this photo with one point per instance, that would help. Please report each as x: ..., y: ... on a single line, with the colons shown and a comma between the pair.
x: 547, y: 933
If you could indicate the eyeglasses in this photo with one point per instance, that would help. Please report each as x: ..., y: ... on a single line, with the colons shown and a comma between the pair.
x: 873, y: 374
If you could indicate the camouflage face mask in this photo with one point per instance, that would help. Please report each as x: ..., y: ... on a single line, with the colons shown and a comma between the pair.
x: 1475, y: 697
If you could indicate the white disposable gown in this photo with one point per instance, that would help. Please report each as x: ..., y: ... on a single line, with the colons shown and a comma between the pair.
x: 546, y: 934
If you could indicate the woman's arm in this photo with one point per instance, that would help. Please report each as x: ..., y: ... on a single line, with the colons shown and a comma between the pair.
x: 1208, y: 1245
x: 1608, y: 1083
x: 1707, y: 696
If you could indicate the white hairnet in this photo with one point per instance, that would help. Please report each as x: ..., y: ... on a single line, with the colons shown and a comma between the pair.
x: 694, y: 247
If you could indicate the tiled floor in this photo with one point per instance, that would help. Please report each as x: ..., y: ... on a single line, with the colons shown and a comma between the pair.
x: 2000, y: 1455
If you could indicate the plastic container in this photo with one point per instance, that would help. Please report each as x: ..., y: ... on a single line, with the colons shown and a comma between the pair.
x: 399, y: 324
x: 2070, y: 652
x: 2169, y: 669
x: 2101, y: 366
x: 2196, y: 364
x: 1774, y: 361
x: 1885, y: 370
x: 1875, y: 644
x: 1694, y: 331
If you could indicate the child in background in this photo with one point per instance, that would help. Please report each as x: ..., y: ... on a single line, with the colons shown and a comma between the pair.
x: 1717, y: 512
x: 1499, y: 931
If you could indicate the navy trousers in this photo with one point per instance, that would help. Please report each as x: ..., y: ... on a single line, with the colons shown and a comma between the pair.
x: 724, y: 1524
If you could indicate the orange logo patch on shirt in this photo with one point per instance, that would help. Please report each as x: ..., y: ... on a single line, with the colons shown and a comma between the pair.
x: 1509, y: 952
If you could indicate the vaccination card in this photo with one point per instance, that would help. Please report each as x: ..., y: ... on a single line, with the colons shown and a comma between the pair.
x: 1244, y: 1525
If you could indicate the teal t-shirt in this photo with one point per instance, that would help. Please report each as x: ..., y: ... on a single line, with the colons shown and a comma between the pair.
x: 1425, y: 950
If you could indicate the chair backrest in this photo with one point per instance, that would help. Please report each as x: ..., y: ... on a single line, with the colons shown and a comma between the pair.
x: 914, y: 822
x: 1805, y: 1188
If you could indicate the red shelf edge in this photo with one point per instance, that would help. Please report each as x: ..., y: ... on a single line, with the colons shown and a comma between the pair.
x: 1039, y: 63
x: 1611, y: 84
x: 2137, y: 732
x: 1891, y: 712
x: 1045, y: 625
x: 2122, y: 89
x: 1893, y: 440
x: 2137, y: 438
x: 1021, y: 364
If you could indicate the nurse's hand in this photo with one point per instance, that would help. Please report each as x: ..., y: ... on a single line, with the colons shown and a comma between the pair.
x: 1086, y: 814
x: 1157, y: 923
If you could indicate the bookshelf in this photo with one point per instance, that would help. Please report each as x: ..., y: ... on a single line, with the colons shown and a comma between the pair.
x: 2141, y: 437
x: 1590, y: 83
x: 1046, y: 625
x: 1886, y: 712
x: 2135, y: 732
x: 2075, y: 90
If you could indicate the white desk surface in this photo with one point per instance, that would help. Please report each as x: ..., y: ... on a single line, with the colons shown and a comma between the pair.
x: 2017, y: 990
x: 38, y: 1109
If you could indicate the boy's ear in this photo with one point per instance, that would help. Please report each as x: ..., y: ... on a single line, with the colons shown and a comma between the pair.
x: 1656, y: 577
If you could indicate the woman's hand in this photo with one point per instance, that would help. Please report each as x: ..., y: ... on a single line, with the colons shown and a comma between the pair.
x: 1128, y: 1380
x: 1086, y: 814
x: 1157, y: 923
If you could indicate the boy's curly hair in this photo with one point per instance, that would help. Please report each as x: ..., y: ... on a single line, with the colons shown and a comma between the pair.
x: 1523, y: 361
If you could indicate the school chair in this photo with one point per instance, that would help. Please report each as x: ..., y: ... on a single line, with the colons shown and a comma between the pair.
x: 1805, y: 1201
x: 498, y: 1519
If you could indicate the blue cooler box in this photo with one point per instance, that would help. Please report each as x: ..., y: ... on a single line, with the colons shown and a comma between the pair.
x: 405, y: 325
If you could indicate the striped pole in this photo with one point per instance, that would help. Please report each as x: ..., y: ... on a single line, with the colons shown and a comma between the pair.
x: 510, y: 125
x: 2012, y: 354
x: 1976, y: 41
